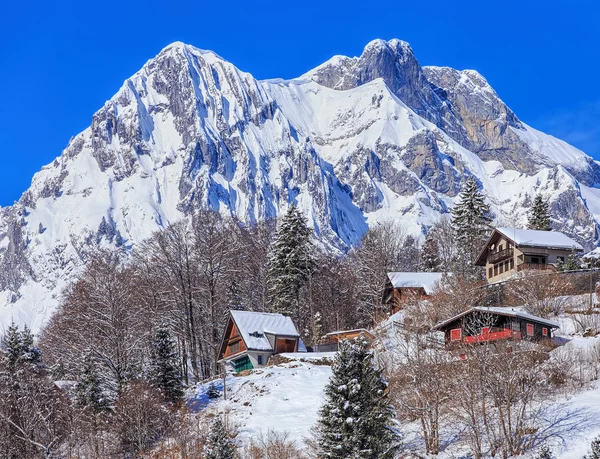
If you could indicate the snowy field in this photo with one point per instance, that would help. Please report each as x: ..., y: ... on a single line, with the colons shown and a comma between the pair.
x: 283, y: 398
x: 286, y: 398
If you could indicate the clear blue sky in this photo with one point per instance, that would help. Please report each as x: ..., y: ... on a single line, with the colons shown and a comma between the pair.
x: 62, y: 60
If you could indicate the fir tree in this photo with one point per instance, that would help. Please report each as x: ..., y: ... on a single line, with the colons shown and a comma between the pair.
x: 471, y: 221
x: 354, y: 420
x: 572, y: 263
x: 545, y: 453
x: 220, y: 444
x: 20, y: 348
x: 594, y: 450
x: 430, y: 259
x: 164, y: 370
x: 91, y: 391
x: 290, y: 263
x: 212, y: 391
x: 539, y: 217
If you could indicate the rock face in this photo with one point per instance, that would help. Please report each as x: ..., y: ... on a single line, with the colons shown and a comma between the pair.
x: 353, y: 142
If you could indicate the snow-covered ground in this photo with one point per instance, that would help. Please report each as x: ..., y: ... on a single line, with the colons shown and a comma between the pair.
x: 283, y: 398
x: 286, y: 398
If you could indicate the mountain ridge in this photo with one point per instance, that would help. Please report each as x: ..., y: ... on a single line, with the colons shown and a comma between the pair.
x: 352, y: 142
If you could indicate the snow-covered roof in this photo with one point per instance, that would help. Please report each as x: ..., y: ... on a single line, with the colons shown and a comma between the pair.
x: 254, y: 325
x: 534, y: 238
x: 425, y: 280
x: 503, y: 311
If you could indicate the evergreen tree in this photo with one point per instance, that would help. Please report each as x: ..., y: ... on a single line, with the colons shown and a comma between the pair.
x: 572, y: 263
x: 430, y: 261
x: 164, y: 370
x: 539, y: 216
x: 545, y: 453
x: 290, y: 263
x: 354, y: 420
x: 471, y: 221
x: 20, y: 348
x: 91, y: 390
x: 212, y: 391
x: 220, y: 444
x: 594, y: 450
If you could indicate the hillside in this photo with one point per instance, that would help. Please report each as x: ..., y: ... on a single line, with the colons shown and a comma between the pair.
x: 353, y: 142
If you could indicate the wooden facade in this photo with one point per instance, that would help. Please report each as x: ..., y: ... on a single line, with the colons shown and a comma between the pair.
x: 249, y: 342
x: 504, y: 257
x: 402, y: 288
x: 484, y: 325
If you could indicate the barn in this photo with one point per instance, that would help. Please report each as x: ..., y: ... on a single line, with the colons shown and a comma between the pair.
x: 250, y: 338
x: 483, y: 324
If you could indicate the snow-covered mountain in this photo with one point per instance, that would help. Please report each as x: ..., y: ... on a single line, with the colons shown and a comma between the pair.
x: 354, y: 141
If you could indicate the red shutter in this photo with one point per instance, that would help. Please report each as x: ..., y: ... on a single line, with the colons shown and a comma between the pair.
x: 529, y: 329
x: 545, y: 331
x: 455, y: 334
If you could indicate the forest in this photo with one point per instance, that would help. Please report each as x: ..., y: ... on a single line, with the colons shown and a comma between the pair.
x: 107, y: 375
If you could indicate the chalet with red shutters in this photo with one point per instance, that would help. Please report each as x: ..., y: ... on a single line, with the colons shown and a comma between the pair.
x: 250, y: 338
x: 509, y: 251
x: 401, y: 287
x: 484, y: 325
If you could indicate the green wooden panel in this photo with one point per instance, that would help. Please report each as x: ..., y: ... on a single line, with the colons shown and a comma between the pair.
x: 242, y: 364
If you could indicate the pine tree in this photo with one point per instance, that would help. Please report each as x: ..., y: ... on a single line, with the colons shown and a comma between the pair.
x: 290, y: 263
x: 12, y: 344
x: 164, y: 370
x: 354, y: 420
x: 471, y: 221
x: 545, y: 453
x: 594, y: 450
x: 572, y: 263
x: 430, y: 261
x: 539, y: 216
x: 220, y: 444
x: 91, y: 390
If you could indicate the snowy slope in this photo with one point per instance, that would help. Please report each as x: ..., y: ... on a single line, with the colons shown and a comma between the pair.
x: 353, y: 142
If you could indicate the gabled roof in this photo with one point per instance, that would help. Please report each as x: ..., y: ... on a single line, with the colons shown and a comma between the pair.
x: 425, y: 280
x: 501, y: 311
x: 253, y: 327
x: 531, y: 238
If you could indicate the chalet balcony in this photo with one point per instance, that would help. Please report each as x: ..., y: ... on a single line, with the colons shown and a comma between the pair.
x: 495, y: 257
x: 536, y: 267
x: 492, y: 336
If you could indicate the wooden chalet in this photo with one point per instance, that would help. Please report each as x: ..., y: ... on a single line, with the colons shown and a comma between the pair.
x: 330, y: 342
x: 250, y: 338
x: 401, y: 287
x: 509, y: 251
x: 484, y: 325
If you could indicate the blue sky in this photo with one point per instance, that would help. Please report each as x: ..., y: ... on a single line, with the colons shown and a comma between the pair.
x: 62, y: 60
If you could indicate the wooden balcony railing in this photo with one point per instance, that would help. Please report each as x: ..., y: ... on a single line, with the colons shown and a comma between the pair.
x: 495, y: 257
x: 492, y: 336
x: 536, y: 267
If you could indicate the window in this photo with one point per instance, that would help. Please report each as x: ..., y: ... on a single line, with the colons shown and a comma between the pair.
x: 501, y: 268
x: 499, y: 248
x: 535, y: 260
x: 234, y: 347
x: 506, y: 265
x: 491, y: 272
x: 560, y: 259
x: 515, y: 325
x: 512, y: 263
x: 544, y: 331
x: 259, y: 359
x: 529, y: 329
x: 495, y: 270
x: 455, y: 335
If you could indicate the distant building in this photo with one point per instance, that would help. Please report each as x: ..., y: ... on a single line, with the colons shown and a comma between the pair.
x: 509, y: 251
x: 481, y: 325
x: 401, y: 287
x: 250, y: 338
x: 330, y: 342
